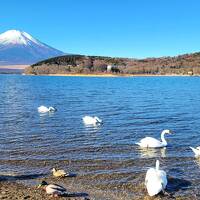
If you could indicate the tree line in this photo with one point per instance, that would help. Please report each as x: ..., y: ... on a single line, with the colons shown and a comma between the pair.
x: 180, y: 65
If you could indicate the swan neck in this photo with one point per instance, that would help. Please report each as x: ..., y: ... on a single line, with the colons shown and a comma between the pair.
x: 163, y: 138
x: 157, y: 164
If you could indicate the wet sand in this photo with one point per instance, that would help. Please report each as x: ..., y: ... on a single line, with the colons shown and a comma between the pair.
x: 18, y: 191
x: 13, y: 190
x: 25, y: 187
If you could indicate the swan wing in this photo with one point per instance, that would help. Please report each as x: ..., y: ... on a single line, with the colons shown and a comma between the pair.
x: 152, y: 182
x: 43, y: 109
x: 150, y: 142
x: 162, y: 176
x: 196, y: 151
x: 88, y: 120
x: 150, y: 173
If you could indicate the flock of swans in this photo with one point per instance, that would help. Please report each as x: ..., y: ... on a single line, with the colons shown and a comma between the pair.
x: 156, y: 179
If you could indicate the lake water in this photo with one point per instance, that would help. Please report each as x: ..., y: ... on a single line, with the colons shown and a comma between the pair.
x: 106, y: 160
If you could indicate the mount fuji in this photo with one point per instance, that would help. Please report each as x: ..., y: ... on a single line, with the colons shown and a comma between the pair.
x: 20, y: 48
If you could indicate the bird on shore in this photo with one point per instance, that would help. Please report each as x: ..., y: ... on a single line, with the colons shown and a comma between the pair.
x: 44, y: 109
x: 59, y: 173
x: 150, y: 142
x: 155, y: 180
x: 88, y: 120
x: 53, y: 189
x: 196, y: 151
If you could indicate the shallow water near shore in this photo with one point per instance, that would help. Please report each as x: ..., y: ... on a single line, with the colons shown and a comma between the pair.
x: 106, y: 160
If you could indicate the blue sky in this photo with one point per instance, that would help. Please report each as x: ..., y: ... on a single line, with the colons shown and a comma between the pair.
x: 123, y: 28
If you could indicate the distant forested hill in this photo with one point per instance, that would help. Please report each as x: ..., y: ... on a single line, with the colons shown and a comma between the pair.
x: 187, y: 64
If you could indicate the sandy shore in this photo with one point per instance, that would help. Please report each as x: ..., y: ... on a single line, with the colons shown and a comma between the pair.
x: 18, y: 190
x: 112, y: 75
x: 13, y: 190
x: 87, y: 75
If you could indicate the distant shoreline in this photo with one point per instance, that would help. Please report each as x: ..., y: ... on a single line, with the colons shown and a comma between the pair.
x: 112, y: 75
x: 12, y: 69
x: 22, y: 67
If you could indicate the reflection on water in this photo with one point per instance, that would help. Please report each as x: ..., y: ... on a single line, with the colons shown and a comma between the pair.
x: 197, y: 161
x: 92, y: 129
x: 50, y: 114
x: 105, y: 157
x: 153, y: 152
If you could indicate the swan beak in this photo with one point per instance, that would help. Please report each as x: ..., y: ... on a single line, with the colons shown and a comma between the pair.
x: 170, y: 132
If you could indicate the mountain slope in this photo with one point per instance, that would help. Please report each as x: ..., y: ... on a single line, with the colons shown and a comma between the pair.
x: 17, y: 47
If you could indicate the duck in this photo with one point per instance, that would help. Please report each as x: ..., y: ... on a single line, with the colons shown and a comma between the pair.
x: 155, y: 180
x: 196, y: 151
x: 154, y: 143
x: 88, y: 120
x: 44, y: 109
x: 59, y: 173
x: 53, y: 189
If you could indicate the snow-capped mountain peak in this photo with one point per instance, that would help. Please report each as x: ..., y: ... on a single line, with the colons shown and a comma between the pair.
x: 17, y: 37
x: 19, y: 47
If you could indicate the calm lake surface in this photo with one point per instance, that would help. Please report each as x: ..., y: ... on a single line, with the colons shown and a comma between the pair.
x: 106, y: 160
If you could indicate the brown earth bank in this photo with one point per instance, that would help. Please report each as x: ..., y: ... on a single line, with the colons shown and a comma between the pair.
x: 188, y: 64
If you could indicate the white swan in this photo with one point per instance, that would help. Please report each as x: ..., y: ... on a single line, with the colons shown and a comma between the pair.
x: 88, y: 120
x: 44, y: 109
x: 156, y: 180
x: 154, y: 143
x: 196, y: 151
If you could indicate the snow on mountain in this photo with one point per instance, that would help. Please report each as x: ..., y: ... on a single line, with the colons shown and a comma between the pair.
x: 17, y: 37
x: 18, y: 47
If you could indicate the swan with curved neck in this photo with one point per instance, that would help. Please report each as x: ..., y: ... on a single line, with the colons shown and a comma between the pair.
x: 88, y: 120
x: 155, y: 180
x: 44, y: 109
x: 154, y: 143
